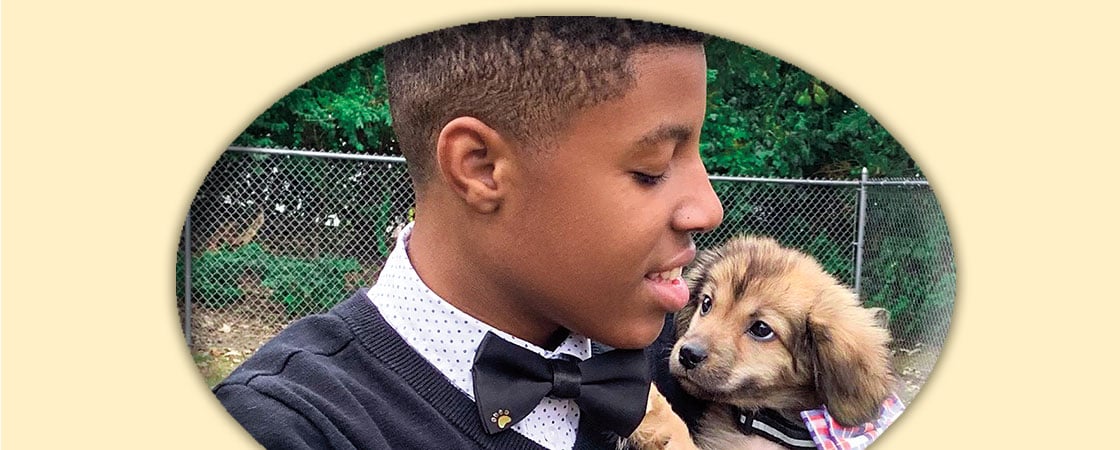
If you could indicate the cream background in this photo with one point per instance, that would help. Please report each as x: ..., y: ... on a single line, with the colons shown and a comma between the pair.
x: 113, y: 111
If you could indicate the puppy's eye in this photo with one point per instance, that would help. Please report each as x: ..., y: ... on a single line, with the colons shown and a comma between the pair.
x: 761, y: 331
x: 705, y: 305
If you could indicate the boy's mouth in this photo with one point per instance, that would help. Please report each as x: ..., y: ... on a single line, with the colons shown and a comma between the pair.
x: 670, y: 288
x: 669, y: 276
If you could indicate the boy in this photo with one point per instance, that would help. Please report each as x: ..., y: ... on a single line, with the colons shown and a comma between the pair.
x: 558, y: 183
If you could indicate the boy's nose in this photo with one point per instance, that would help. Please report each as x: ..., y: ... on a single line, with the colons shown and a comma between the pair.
x: 700, y: 209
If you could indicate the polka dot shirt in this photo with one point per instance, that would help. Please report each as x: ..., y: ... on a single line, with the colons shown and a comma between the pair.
x: 448, y: 339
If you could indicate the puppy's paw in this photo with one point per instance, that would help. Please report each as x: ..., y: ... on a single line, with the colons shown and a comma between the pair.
x: 661, y: 429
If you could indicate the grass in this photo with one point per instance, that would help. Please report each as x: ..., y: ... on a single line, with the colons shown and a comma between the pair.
x: 215, y: 368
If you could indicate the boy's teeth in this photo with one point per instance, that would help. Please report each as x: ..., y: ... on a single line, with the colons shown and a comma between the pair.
x: 668, y: 275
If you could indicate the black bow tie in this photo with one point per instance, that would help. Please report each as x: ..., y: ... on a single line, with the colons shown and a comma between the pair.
x: 611, y: 389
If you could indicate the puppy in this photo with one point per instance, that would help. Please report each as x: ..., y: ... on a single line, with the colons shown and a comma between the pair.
x: 767, y: 333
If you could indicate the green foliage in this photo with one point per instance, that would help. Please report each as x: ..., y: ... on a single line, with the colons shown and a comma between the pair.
x: 344, y: 109
x: 908, y: 264
x: 834, y: 256
x: 383, y: 217
x: 768, y: 118
x: 216, y: 275
x: 909, y: 284
x: 305, y: 286
x: 300, y: 285
x: 179, y: 272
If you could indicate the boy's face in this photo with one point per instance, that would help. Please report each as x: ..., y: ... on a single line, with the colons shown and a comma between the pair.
x: 591, y: 220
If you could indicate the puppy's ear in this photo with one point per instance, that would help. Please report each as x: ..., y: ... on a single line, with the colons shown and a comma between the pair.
x: 696, y: 277
x: 850, y: 357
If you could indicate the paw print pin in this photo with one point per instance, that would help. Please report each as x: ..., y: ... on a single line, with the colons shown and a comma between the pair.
x: 501, y: 417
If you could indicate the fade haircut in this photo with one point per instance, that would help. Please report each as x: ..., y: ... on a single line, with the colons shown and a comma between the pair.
x: 524, y: 77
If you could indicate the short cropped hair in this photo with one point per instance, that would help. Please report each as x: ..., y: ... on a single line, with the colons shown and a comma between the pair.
x: 524, y: 77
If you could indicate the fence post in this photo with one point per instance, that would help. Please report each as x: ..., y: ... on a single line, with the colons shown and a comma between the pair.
x: 861, y: 219
x: 187, y: 257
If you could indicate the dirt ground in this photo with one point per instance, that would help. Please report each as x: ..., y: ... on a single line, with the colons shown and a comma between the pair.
x: 912, y: 365
x: 237, y: 327
x: 221, y: 338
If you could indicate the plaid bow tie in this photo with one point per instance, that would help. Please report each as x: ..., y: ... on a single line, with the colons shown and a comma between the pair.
x: 610, y: 389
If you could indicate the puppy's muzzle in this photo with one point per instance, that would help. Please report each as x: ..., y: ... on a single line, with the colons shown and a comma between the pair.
x: 691, y: 355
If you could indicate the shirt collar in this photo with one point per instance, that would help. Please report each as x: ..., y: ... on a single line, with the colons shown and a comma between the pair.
x: 398, y: 268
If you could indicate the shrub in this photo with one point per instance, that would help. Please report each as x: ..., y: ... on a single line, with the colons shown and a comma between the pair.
x: 216, y: 275
x: 908, y: 276
x: 309, y: 286
x: 302, y: 286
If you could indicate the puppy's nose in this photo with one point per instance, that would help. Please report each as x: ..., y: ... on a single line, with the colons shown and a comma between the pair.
x: 692, y: 355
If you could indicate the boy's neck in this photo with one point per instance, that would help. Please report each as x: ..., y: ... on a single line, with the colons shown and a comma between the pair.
x: 442, y: 265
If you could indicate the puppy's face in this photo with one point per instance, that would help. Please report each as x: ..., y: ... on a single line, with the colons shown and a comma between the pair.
x: 767, y: 327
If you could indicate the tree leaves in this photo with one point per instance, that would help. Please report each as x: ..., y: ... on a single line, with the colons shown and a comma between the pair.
x: 345, y: 109
x: 765, y: 117
x: 768, y: 118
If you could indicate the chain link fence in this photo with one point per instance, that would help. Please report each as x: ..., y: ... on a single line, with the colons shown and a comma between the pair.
x: 279, y: 234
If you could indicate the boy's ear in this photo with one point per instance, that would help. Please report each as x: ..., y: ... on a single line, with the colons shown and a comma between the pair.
x: 473, y: 159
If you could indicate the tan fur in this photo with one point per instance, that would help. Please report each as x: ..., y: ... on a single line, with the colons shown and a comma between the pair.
x: 827, y: 349
x: 661, y: 429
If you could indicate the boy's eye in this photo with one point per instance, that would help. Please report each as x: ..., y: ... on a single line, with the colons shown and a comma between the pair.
x: 648, y: 179
x: 761, y: 331
x: 705, y: 305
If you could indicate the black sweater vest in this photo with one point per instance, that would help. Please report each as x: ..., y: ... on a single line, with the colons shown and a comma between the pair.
x: 346, y: 380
